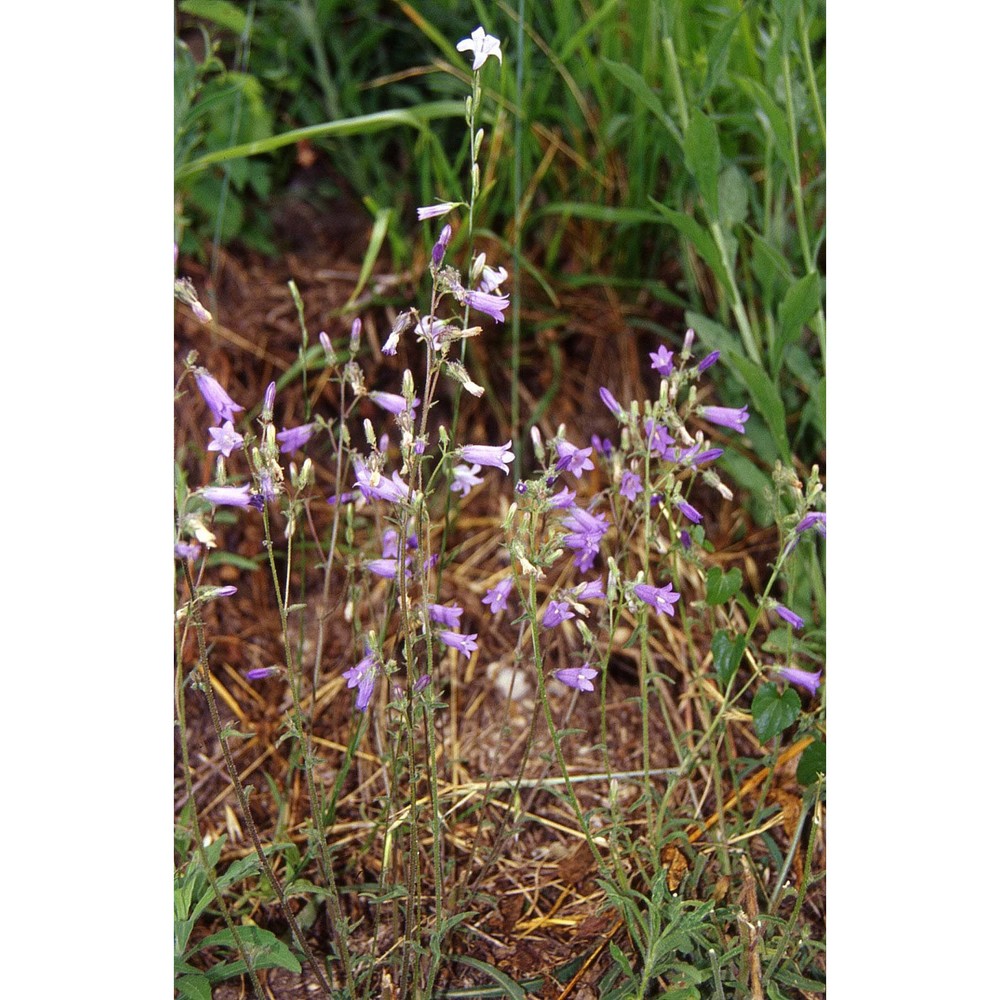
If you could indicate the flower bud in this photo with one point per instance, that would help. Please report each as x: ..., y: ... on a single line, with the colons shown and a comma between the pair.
x: 355, y: 344
x: 328, y: 354
x: 267, y: 410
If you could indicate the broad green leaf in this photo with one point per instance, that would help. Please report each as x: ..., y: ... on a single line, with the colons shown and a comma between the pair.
x: 701, y: 239
x: 637, y: 86
x: 800, y: 304
x: 703, y: 157
x: 603, y: 213
x: 733, y: 197
x: 265, y: 950
x: 727, y: 652
x: 681, y: 993
x: 812, y: 763
x: 221, y: 12
x: 774, y: 713
x: 715, y: 335
x: 766, y: 400
x: 721, y: 586
x: 509, y: 986
x: 761, y: 97
x: 193, y: 988
x: 416, y: 117
x: 381, y: 227
x: 718, y: 52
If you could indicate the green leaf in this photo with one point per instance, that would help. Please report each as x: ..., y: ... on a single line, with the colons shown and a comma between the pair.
x: 727, y: 652
x: 715, y: 335
x: 603, y: 213
x: 766, y: 400
x: 701, y: 239
x: 800, y: 304
x: 721, y: 586
x: 775, y: 118
x: 812, y: 763
x: 774, y: 713
x: 703, y: 157
x: 220, y: 12
x: 733, y: 197
x: 193, y: 988
x: 381, y: 227
x: 509, y: 986
x: 681, y: 993
x: 264, y: 949
x: 632, y: 81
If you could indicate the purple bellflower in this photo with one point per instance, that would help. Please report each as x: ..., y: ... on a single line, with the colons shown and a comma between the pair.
x: 492, y: 305
x: 492, y: 278
x: 816, y: 519
x: 662, y: 361
x: 789, y: 616
x: 385, y: 568
x: 260, y: 673
x: 464, y: 478
x: 556, y: 612
x: 445, y: 614
x: 725, y: 416
x: 437, y: 251
x: 688, y: 511
x: 293, y: 438
x: 585, y: 534
x: 224, y: 438
x: 630, y: 486
x: 661, y: 598
x: 187, y: 550
x: 497, y: 456
x: 563, y: 499
x: 803, y: 678
x: 592, y: 590
x: 659, y: 438
x: 218, y: 400
x: 497, y: 597
x: 363, y: 676
x: 610, y: 402
x: 391, y: 402
x: 602, y: 446
x: 709, y: 360
x: 577, y: 677
x: 229, y: 496
x: 573, y: 459
x: 465, y: 644
x: 393, y: 489
x: 425, y: 212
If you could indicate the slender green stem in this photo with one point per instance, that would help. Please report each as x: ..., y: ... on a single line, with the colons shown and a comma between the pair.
x: 811, y: 74
x: 550, y: 721
x: 791, y: 926
x: 179, y: 701
x: 244, y: 805
x: 676, y: 84
x: 742, y: 320
x: 800, y: 212
x: 303, y: 734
